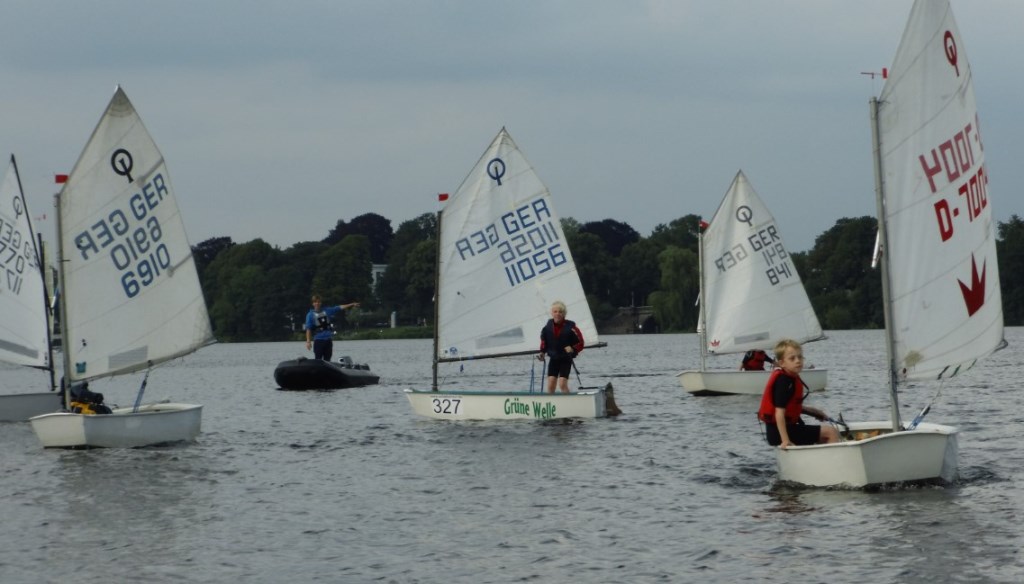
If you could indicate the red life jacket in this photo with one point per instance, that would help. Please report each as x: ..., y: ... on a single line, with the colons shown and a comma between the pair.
x: 754, y: 361
x: 766, y: 413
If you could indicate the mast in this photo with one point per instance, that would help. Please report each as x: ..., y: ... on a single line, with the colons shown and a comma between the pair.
x: 883, y: 239
x: 49, y: 318
x: 702, y: 326
x: 62, y: 305
x: 437, y: 299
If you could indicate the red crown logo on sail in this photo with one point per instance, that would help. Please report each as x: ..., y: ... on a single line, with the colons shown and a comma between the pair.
x: 974, y: 297
x: 715, y: 343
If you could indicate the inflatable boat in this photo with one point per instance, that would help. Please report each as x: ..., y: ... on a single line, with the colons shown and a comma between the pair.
x: 303, y: 373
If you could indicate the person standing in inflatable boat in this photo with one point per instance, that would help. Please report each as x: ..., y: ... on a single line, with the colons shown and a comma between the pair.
x: 320, y: 327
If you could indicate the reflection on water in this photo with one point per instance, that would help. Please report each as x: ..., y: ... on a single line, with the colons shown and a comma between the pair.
x: 349, y: 486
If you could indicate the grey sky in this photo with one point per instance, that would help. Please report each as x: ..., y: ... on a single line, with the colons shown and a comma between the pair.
x: 278, y: 118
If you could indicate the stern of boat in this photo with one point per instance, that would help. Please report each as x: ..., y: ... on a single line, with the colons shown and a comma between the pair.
x: 19, y: 407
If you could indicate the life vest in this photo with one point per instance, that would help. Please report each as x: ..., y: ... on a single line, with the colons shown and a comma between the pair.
x: 766, y: 413
x: 84, y: 401
x: 88, y: 408
x: 322, y: 322
x: 555, y: 346
x: 754, y: 360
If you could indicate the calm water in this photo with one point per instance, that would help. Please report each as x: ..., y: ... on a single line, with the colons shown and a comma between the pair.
x: 349, y: 486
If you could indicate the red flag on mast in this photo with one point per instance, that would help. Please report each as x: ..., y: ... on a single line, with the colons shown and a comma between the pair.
x: 60, y: 178
x: 442, y: 196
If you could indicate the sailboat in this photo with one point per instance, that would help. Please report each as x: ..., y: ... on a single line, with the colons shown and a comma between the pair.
x: 130, y: 296
x: 502, y: 260
x: 940, y: 277
x: 24, y: 327
x: 751, y: 295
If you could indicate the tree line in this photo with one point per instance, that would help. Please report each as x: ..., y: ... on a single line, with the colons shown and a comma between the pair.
x: 258, y: 292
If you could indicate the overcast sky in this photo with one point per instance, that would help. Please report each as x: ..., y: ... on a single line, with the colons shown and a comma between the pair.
x: 276, y: 119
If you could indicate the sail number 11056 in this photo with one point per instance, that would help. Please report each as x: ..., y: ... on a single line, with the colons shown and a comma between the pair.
x: 526, y: 241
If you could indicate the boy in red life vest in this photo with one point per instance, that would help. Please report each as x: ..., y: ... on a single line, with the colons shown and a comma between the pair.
x: 782, y: 403
x: 754, y: 360
x: 561, y: 340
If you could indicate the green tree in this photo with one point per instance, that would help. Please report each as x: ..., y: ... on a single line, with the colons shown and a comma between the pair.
x: 287, y: 299
x: 570, y: 226
x: 304, y: 257
x: 237, y: 312
x: 594, y: 265
x: 394, y: 290
x: 844, y: 289
x: 205, y: 252
x: 230, y: 282
x: 674, y: 303
x: 238, y: 286
x: 1010, y: 247
x: 344, y: 272
x: 419, y: 275
x: 410, y: 233
x: 638, y: 273
x: 681, y: 233
x: 614, y: 234
x: 375, y: 228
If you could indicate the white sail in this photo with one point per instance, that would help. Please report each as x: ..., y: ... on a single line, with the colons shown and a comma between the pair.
x: 753, y: 296
x: 940, y: 280
x: 940, y: 244
x: 131, y: 293
x: 23, y: 326
x: 503, y: 260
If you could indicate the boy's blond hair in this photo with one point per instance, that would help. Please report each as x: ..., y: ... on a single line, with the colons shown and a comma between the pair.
x: 781, y: 346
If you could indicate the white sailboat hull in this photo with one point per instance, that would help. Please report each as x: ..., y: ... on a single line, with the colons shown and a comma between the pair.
x: 516, y: 405
x: 22, y: 406
x: 726, y: 382
x: 153, y: 424
x: 927, y: 453
x: 494, y: 297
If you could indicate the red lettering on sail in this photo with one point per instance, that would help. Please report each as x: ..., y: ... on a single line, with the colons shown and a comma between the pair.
x: 955, y: 155
x: 974, y: 193
x: 964, y: 154
x: 949, y: 160
x: 944, y: 218
x: 974, y: 297
x: 931, y: 171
